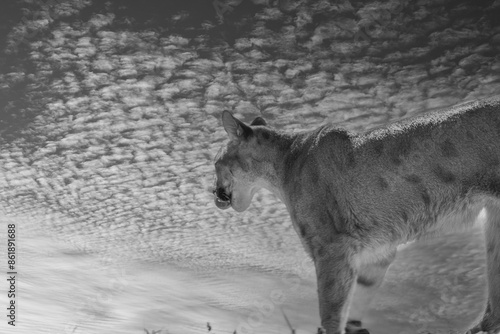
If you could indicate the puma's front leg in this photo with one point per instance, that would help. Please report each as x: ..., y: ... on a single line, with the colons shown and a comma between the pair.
x: 336, y: 277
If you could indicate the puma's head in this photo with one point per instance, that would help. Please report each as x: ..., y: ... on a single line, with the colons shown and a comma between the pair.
x: 241, y: 165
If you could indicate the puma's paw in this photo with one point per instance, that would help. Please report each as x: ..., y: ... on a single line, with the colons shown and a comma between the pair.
x: 357, y: 331
x: 354, y: 327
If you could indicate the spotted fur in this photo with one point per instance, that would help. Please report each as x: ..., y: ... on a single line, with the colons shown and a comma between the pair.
x: 353, y: 198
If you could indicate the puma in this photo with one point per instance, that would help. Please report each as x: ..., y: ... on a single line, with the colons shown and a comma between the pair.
x: 353, y: 198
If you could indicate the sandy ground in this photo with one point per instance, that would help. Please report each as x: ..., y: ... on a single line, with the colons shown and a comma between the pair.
x: 435, y: 286
x: 109, y: 123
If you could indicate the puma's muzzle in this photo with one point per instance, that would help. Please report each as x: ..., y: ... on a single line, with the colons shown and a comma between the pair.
x: 221, y: 199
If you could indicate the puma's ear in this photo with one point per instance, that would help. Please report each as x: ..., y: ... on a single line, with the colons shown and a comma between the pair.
x: 236, y: 129
x: 259, y: 121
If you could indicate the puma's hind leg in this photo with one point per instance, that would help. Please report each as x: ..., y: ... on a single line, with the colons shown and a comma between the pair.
x: 370, y: 277
x: 490, y: 323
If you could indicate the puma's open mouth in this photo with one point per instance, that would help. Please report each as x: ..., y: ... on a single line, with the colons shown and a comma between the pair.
x: 222, y: 200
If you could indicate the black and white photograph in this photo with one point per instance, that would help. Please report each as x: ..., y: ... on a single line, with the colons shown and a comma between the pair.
x: 250, y: 166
